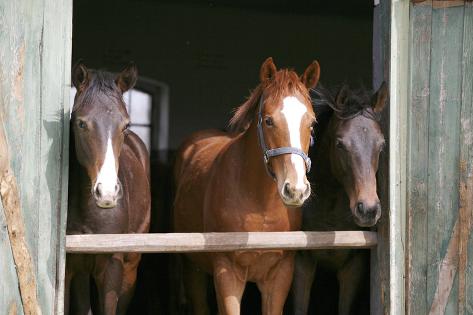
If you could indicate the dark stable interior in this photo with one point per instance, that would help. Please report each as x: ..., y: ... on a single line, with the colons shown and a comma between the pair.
x: 209, y: 54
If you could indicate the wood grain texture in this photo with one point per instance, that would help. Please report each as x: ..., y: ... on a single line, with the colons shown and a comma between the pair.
x: 34, y: 61
x: 444, y: 132
x: 217, y: 242
x: 380, y: 256
x: 54, y: 137
x: 440, y: 267
x: 399, y: 58
x: 465, y: 250
x: 418, y: 157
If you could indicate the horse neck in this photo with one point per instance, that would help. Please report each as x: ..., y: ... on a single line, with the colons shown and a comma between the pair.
x: 255, y: 177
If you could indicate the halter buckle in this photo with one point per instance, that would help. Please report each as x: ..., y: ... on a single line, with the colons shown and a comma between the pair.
x: 266, y: 158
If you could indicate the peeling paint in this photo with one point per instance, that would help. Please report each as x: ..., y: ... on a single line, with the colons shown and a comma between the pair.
x: 18, y: 84
x: 465, y: 217
x: 12, y: 309
x: 16, y: 231
x: 447, y: 271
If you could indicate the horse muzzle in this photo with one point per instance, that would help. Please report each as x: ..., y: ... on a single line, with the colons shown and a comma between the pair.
x: 293, y: 196
x: 106, y: 197
x: 365, y: 215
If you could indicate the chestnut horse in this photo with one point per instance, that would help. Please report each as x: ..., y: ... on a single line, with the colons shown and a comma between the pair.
x: 251, y: 181
x: 347, y: 161
x: 109, y: 189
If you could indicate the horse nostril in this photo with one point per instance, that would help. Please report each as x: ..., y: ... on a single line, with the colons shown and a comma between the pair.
x: 360, y: 207
x: 117, y: 188
x: 97, y: 190
x: 287, y: 190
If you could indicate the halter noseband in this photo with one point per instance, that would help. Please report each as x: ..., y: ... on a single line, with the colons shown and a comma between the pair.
x: 269, y: 153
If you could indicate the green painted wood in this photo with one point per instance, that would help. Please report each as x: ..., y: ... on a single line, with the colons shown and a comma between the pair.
x: 466, y: 168
x: 34, y: 80
x: 440, y: 167
x: 444, y: 131
x: 54, y: 124
x: 418, y: 154
x: 10, y: 39
x: 9, y: 293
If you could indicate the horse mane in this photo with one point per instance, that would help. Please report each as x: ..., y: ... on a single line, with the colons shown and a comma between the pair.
x: 100, y: 83
x: 357, y: 102
x: 285, y: 82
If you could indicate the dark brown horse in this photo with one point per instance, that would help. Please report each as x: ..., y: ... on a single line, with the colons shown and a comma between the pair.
x: 346, y: 155
x: 109, y: 189
x: 251, y: 181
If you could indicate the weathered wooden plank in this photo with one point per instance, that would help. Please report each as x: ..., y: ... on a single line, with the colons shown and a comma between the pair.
x: 418, y: 157
x: 217, y: 242
x: 34, y: 61
x: 9, y: 292
x: 465, y: 250
x: 399, y: 79
x: 66, y: 12
x: 444, y: 129
x: 14, y: 68
x: 379, y: 275
x: 55, y: 78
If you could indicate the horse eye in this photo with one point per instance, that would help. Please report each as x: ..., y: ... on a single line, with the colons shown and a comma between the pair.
x: 339, y: 144
x: 269, y: 121
x: 82, y: 124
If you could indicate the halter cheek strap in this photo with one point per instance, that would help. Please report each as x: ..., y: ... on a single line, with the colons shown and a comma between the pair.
x: 269, y: 153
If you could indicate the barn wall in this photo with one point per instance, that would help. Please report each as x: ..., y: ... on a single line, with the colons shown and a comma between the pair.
x: 35, y: 46
x: 440, y: 159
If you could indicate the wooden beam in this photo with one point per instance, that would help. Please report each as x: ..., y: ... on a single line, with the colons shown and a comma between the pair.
x: 399, y: 69
x: 217, y: 242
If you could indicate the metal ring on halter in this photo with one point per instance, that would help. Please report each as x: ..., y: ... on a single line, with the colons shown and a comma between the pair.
x: 269, y: 153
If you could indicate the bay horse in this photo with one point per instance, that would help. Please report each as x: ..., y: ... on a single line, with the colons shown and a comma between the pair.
x: 346, y: 155
x: 109, y: 189
x: 253, y: 179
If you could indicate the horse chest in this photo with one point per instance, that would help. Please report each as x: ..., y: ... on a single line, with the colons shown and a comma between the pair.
x: 252, y: 219
x: 257, y: 263
x: 91, y: 219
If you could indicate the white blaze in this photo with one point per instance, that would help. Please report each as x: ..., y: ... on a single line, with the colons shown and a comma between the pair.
x: 293, y: 110
x: 107, y: 177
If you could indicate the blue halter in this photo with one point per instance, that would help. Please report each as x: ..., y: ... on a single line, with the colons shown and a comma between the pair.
x: 269, y: 153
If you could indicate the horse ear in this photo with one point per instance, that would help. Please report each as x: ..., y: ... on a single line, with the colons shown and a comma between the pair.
x: 80, y: 76
x: 379, y: 98
x: 268, y: 70
x: 311, y: 75
x: 342, y: 95
x: 127, y: 78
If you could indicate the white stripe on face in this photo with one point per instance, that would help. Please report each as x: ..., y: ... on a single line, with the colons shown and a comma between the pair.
x: 293, y: 110
x: 107, y: 177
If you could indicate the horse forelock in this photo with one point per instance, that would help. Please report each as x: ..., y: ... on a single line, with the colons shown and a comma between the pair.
x: 101, y: 86
x: 286, y: 82
x: 357, y: 102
